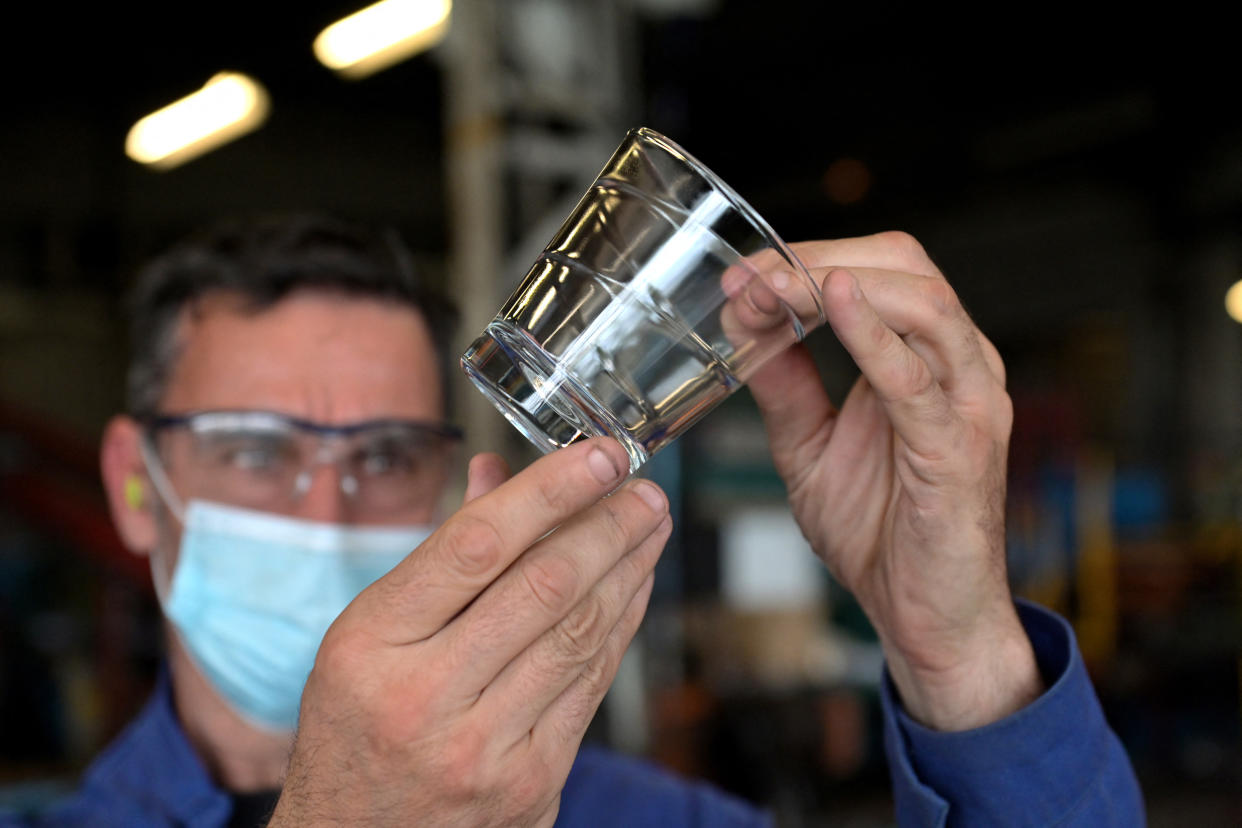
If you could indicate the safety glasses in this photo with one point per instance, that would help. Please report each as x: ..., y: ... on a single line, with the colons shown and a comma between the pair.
x: 386, y: 468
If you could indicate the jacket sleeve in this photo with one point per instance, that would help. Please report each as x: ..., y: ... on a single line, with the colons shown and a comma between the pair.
x: 1055, y: 762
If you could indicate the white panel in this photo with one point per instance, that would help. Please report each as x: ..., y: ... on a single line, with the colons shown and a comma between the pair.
x: 766, y: 564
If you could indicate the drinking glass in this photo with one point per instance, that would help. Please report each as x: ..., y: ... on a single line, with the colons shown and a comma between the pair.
x: 660, y: 295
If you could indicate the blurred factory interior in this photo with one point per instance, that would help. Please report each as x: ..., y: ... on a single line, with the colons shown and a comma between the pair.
x: 1081, y: 190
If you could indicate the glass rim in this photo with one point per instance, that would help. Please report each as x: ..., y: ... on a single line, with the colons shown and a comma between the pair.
x: 668, y: 145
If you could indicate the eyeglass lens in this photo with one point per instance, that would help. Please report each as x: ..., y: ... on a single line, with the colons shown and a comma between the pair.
x: 268, y: 464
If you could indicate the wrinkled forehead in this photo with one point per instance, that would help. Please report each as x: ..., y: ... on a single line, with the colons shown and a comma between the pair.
x: 321, y: 355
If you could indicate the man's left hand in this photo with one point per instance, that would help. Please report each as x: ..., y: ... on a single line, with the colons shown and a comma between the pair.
x: 902, y: 490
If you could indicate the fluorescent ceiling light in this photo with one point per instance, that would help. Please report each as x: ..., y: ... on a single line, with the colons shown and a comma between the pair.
x: 1233, y: 301
x: 227, y: 107
x: 383, y: 34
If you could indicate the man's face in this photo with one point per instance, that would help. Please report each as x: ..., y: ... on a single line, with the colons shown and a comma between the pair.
x: 317, y: 356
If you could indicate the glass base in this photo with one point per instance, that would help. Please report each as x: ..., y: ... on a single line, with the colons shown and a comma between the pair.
x: 545, y: 405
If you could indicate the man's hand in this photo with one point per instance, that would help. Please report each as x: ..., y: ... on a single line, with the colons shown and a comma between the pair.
x: 902, y: 490
x: 456, y: 689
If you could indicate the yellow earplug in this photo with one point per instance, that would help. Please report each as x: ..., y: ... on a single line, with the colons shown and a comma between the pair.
x: 133, y: 491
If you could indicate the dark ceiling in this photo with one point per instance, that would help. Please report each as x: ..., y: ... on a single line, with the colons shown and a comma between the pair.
x: 940, y: 109
x: 1058, y: 168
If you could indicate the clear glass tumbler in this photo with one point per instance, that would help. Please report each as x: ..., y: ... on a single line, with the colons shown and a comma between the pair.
x: 659, y: 296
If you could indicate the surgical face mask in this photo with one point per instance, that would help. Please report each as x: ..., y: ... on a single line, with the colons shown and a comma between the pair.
x: 253, y: 594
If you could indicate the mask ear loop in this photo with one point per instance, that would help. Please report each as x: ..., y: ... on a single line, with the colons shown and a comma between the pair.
x: 159, y: 479
x: 161, y: 574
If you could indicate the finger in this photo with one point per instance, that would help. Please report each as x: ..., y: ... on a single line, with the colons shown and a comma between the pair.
x: 928, y: 316
x: 796, y: 410
x: 559, y: 731
x: 756, y: 308
x: 486, y: 472
x: 750, y: 331
x: 735, y: 278
x: 895, y: 251
x: 755, y: 289
x: 528, y: 684
x: 436, y: 581
x: 542, y: 588
x: 915, y: 402
x: 763, y: 299
x: 763, y: 308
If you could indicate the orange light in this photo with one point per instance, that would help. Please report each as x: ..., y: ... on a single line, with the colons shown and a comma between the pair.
x: 847, y: 181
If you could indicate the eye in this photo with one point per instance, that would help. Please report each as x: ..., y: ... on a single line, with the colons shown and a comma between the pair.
x: 254, y: 458
x: 251, y: 453
x: 387, y: 458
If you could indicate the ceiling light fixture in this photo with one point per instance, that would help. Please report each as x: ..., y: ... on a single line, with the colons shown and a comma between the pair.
x: 383, y: 34
x: 1233, y: 301
x: 227, y: 107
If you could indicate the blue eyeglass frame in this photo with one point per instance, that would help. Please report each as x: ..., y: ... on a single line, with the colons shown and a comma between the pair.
x: 160, y: 422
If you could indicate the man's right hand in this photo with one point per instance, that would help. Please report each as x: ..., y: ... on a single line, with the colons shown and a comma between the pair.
x: 456, y: 689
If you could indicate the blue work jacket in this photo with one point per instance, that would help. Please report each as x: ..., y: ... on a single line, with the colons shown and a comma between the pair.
x: 1055, y: 762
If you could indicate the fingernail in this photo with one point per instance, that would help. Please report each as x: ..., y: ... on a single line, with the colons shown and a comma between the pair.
x: 780, y: 280
x: 602, y: 467
x: 650, y: 494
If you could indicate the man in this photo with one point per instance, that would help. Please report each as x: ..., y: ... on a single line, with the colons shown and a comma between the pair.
x: 286, y: 446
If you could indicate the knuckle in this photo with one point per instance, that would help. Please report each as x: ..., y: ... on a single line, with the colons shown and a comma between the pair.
x: 597, y: 673
x: 473, y: 547
x: 583, y: 631
x: 341, y: 653
x: 463, y: 766
x: 551, y: 582
x: 941, y: 298
x: 908, y: 250
x: 558, y: 495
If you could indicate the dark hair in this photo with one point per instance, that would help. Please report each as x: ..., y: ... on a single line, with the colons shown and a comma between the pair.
x: 261, y: 261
